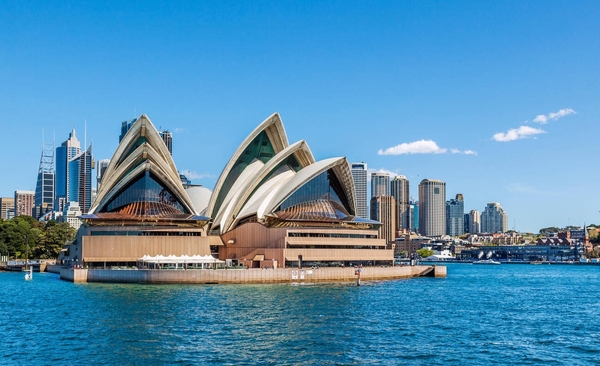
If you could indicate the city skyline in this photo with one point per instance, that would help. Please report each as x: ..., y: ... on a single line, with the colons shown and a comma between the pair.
x: 497, y: 100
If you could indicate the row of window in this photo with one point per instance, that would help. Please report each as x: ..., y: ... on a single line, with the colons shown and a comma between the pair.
x: 326, y: 235
x: 145, y: 233
x: 312, y: 246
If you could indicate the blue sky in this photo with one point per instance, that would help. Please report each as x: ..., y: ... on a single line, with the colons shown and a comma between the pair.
x: 353, y: 78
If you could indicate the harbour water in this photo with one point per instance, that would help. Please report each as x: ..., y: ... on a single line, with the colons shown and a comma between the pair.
x: 478, y: 315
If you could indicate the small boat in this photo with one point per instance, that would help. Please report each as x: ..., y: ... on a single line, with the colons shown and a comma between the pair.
x: 486, y: 261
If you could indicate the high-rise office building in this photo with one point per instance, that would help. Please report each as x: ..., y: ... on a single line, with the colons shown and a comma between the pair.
x: 467, y: 223
x: 68, y: 150
x: 414, y: 216
x: 400, y: 190
x: 6, y: 203
x: 380, y: 184
x: 494, y: 219
x: 359, y: 175
x: 474, y: 222
x: 455, y: 216
x: 44, y: 189
x: 432, y: 207
x: 24, y: 203
x: 125, y: 126
x: 101, y: 166
x: 80, y: 179
x: 167, y: 138
x: 71, y: 215
x: 383, y: 209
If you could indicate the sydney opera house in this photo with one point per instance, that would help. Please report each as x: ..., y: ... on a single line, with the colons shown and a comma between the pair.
x: 273, y: 205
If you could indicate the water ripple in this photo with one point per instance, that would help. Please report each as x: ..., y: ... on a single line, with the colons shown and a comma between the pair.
x: 517, y: 314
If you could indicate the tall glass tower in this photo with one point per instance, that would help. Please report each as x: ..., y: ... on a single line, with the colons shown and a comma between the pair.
x: 80, y: 179
x: 399, y: 189
x: 455, y: 216
x: 359, y: 175
x: 44, y: 189
x: 167, y: 137
x: 380, y: 184
x: 65, y: 153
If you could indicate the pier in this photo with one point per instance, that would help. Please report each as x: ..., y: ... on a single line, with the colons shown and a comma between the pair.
x: 241, y: 276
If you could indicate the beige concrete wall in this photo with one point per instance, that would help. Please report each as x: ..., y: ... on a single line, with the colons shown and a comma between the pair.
x: 74, y: 275
x: 280, y: 275
x: 54, y: 268
x: 249, y: 240
x: 131, y: 248
x: 340, y: 254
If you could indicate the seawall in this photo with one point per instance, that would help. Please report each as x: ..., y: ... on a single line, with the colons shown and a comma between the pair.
x: 240, y: 276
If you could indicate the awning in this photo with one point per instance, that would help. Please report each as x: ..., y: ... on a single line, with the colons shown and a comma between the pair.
x: 181, y: 259
x: 259, y: 257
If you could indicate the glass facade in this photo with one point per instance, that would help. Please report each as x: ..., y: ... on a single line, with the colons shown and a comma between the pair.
x: 73, y: 188
x: 144, y: 189
x: 260, y: 148
x: 325, y: 186
x: 359, y: 175
x: 455, y: 216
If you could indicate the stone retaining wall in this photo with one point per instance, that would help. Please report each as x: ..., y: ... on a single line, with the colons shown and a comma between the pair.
x: 280, y: 275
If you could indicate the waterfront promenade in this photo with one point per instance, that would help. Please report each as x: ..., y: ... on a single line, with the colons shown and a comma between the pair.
x: 240, y: 276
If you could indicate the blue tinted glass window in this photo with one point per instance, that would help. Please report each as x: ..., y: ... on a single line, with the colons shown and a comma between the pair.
x: 324, y: 186
x: 260, y: 148
x: 145, y: 189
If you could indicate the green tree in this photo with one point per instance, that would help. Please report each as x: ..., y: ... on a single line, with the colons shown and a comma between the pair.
x: 424, y: 252
x: 52, y: 240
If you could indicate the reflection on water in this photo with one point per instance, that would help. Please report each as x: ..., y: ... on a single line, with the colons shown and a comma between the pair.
x: 477, y: 315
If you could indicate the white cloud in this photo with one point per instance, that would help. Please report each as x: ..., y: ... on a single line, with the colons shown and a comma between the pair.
x: 517, y: 133
x: 381, y: 170
x: 465, y: 152
x: 194, y: 175
x: 177, y: 130
x: 553, y: 116
x: 417, y: 147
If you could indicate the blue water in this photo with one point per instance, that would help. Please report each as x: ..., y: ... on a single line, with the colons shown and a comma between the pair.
x: 478, y: 315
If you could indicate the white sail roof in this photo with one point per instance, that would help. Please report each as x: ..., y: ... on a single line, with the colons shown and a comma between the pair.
x: 141, y: 149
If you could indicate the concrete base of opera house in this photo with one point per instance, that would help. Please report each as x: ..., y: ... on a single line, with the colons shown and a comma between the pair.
x: 240, y: 276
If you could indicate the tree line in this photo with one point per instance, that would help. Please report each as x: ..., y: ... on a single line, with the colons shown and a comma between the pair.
x: 24, y: 236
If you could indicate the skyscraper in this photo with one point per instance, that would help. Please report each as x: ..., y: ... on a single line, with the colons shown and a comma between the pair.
x: 125, y: 126
x: 359, y: 175
x: 24, y: 203
x: 474, y: 222
x: 380, y: 184
x: 167, y: 137
x: 383, y: 209
x: 80, y: 179
x: 6, y: 203
x: 467, y: 223
x: 455, y: 216
x: 432, y: 207
x: 64, y: 153
x: 100, y: 169
x: 414, y: 216
x: 44, y: 189
x: 400, y: 190
x: 494, y: 219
